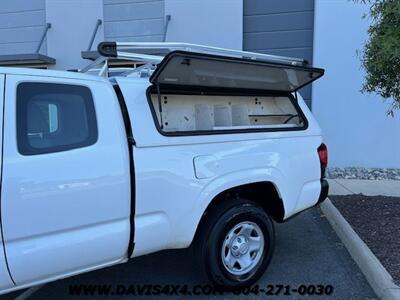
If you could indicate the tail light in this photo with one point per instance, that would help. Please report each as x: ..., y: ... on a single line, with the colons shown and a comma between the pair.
x: 323, y: 158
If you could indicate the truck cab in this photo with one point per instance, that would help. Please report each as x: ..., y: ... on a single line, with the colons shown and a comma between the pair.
x: 65, y: 192
x: 205, y: 148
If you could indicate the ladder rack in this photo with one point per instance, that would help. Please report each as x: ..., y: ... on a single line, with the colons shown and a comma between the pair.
x: 152, y: 53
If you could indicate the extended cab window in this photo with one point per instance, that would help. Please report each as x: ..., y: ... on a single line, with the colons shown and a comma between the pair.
x: 54, y: 117
x: 178, y: 113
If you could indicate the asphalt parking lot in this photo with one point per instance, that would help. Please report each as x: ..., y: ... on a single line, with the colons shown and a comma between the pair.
x: 307, y: 252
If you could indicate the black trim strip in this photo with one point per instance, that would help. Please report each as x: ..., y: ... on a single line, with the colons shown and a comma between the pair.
x: 179, y: 90
x: 272, y: 115
x: 324, y: 191
x: 131, y: 144
x: 295, y: 97
x: 159, y: 105
x: 1, y: 178
x: 107, y: 49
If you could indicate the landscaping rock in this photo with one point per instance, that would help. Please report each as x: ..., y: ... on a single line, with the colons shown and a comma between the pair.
x: 363, y: 173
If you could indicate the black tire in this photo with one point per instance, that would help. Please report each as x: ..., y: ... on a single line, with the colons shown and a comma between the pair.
x: 213, y: 231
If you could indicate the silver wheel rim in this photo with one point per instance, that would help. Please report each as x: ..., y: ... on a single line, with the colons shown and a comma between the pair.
x: 242, y: 248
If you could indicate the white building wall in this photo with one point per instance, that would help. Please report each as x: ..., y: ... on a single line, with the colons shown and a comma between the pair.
x: 357, y: 130
x: 21, y: 26
x: 72, y: 26
x: 210, y: 22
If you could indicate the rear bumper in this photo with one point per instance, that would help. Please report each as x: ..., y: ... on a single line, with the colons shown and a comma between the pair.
x: 323, y: 194
x: 324, y: 191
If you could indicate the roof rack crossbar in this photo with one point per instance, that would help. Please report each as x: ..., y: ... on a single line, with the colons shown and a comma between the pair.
x: 93, y: 64
x: 154, y: 59
x: 116, y: 48
x: 143, y: 52
x: 146, y: 67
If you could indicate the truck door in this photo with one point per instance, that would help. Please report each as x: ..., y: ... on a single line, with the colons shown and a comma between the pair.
x: 5, y: 279
x: 65, y: 193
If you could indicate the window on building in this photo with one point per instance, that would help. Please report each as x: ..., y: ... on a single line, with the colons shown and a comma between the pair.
x: 54, y: 117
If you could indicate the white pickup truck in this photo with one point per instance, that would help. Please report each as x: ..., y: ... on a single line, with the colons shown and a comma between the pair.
x: 205, y: 147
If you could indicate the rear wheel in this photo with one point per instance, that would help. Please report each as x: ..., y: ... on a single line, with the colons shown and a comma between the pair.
x: 236, y: 243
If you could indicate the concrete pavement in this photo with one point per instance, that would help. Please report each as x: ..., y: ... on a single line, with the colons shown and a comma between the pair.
x: 365, y: 187
x: 307, y: 252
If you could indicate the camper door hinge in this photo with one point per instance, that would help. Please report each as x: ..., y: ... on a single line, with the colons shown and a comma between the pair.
x: 131, y: 141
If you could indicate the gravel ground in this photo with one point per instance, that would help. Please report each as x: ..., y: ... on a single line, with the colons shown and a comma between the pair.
x: 376, y: 219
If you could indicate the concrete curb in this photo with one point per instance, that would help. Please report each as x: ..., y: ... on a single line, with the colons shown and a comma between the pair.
x: 379, y: 279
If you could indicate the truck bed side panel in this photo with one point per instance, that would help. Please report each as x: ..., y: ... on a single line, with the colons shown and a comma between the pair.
x: 171, y: 199
x: 177, y: 177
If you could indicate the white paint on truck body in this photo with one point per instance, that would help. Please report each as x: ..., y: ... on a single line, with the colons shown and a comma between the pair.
x: 68, y: 212
x: 65, y: 212
x: 164, y: 166
x: 5, y: 279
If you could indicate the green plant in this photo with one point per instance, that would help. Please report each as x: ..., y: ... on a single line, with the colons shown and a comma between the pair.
x: 381, y: 54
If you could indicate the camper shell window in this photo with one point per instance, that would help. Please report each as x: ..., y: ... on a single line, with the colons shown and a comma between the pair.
x: 187, y: 69
x: 197, y: 93
x: 188, y: 113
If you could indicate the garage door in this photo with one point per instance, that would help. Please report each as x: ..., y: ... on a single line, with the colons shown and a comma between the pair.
x: 281, y: 27
x: 134, y: 20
